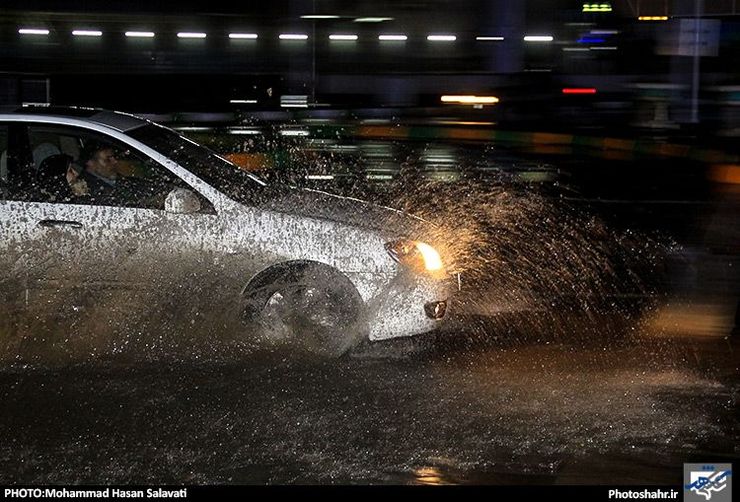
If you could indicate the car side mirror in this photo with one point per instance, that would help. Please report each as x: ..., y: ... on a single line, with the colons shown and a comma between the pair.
x: 182, y: 201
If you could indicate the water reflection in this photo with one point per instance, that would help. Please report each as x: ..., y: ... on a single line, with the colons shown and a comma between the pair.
x: 430, y: 476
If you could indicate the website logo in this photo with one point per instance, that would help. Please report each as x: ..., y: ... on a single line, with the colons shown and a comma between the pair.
x: 707, y: 482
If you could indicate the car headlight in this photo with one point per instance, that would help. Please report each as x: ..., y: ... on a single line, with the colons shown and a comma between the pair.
x: 418, y: 255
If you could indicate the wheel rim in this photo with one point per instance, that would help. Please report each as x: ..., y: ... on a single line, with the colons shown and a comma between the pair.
x: 314, y: 317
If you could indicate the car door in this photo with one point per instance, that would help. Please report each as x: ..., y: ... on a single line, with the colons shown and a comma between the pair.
x: 107, y: 267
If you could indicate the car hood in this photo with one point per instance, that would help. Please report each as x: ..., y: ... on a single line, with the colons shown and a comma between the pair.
x: 346, y: 210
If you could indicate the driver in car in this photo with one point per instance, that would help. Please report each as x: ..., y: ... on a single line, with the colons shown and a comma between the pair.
x: 109, y: 180
x: 100, y: 163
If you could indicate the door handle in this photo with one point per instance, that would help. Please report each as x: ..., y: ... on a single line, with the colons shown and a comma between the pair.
x: 60, y: 223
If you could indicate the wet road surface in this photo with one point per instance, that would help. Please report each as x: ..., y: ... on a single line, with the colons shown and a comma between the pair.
x: 431, y: 412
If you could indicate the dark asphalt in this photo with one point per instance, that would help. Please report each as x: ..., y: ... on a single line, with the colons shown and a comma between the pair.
x: 444, y: 411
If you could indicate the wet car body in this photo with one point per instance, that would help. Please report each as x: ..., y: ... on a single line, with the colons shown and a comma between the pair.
x: 210, y: 257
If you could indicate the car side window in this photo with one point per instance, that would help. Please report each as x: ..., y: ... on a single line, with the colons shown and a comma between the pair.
x: 76, y: 166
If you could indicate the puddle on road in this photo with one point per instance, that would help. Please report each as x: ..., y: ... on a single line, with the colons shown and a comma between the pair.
x: 524, y: 414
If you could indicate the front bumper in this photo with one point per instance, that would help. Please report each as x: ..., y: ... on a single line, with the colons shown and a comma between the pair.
x: 409, y: 305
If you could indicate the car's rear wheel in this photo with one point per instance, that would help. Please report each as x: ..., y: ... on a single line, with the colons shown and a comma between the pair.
x: 314, y: 311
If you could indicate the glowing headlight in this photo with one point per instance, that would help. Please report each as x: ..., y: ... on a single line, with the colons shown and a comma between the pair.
x: 432, y: 261
x: 416, y: 254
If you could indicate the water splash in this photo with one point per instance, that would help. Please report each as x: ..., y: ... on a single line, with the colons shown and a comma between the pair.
x: 519, y: 250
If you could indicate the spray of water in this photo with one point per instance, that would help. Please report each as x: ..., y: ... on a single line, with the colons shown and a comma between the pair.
x: 521, y: 251
x: 531, y: 263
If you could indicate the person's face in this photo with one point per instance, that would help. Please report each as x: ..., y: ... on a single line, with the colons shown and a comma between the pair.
x: 104, y: 162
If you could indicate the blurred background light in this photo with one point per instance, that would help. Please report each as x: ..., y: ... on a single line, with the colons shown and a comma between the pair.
x: 469, y: 99
x: 139, y: 34
x: 293, y: 36
x: 33, y: 31
x: 87, y: 33
x: 441, y: 38
x: 538, y: 38
x: 392, y: 38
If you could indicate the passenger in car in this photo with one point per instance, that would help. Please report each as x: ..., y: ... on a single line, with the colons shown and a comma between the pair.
x: 54, y: 180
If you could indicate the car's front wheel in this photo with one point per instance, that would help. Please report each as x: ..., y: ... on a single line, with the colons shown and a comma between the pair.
x: 313, y: 311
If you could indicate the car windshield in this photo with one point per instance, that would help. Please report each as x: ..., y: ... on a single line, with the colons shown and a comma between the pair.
x: 204, y: 163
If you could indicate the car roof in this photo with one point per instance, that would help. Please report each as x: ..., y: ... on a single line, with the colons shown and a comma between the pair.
x: 116, y: 120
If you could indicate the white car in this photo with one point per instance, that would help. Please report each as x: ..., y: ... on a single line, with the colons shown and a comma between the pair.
x: 200, y: 244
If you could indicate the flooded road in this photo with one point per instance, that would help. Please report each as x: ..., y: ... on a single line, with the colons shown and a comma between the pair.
x: 512, y: 400
x: 418, y: 412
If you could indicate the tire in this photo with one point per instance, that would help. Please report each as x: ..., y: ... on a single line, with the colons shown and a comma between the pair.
x: 314, y: 311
